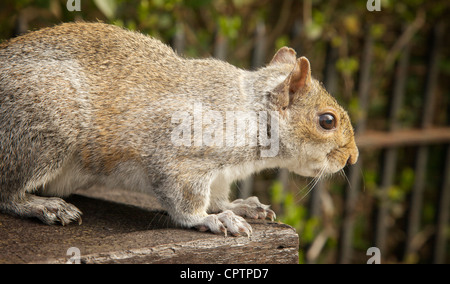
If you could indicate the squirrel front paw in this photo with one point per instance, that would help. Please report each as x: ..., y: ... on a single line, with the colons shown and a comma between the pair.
x: 251, y: 208
x: 224, y: 222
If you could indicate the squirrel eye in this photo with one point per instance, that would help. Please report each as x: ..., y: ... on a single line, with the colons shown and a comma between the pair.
x: 327, y: 121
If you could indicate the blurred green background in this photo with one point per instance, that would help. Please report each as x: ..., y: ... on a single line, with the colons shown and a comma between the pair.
x: 334, y: 36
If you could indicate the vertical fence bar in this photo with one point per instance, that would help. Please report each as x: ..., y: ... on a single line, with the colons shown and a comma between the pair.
x: 399, y: 88
x: 390, y: 154
x: 443, y: 211
x: 314, y: 201
x: 259, y: 50
x: 220, y: 46
x: 179, y: 40
x: 346, y: 233
x: 440, y: 244
x: 422, y: 152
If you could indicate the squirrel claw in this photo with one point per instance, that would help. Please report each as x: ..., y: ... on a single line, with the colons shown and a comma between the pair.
x: 271, y: 215
x: 235, y: 224
x: 252, y: 208
x: 224, y: 223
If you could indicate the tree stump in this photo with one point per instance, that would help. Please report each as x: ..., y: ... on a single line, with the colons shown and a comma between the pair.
x: 128, y: 227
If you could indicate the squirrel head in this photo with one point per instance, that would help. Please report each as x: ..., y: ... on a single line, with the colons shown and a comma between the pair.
x: 315, y: 130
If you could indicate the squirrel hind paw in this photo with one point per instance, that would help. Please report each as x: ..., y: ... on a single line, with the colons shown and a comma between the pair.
x: 50, y: 210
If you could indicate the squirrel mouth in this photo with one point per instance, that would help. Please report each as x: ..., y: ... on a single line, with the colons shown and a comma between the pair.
x: 319, y: 172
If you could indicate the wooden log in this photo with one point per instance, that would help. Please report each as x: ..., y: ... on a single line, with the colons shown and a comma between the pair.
x: 113, y: 231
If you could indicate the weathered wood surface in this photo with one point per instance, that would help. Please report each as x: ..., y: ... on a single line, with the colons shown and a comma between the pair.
x: 124, y: 227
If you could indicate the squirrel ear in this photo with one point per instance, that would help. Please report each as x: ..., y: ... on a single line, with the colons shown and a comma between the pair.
x: 300, y: 77
x: 284, y: 55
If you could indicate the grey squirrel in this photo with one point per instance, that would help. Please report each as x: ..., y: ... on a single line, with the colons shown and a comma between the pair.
x: 83, y: 104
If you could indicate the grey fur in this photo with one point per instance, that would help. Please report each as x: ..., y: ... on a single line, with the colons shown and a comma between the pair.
x: 90, y: 103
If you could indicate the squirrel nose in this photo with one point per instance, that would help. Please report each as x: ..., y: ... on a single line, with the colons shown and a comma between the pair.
x: 349, y: 161
x: 353, y: 154
x: 352, y: 158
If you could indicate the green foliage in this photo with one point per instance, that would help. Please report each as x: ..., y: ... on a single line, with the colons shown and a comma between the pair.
x: 282, y: 41
x: 293, y: 213
x: 229, y: 26
x: 348, y: 66
x: 107, y: 7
